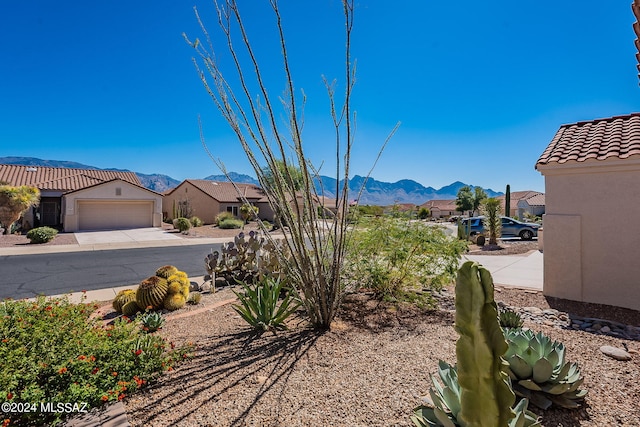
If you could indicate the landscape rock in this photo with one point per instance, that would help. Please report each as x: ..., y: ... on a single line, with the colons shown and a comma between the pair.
x: 615, y: 352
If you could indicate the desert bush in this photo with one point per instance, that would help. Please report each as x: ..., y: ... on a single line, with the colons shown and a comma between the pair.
x: 182, y: 224
x: 41, y: 234
x: 400, y: 259
x: 423, y: 213
x: 230, y: 223
x: 52, y: 351
x: 224, y: 216
x: 195, y: 221
x: 260, y: 305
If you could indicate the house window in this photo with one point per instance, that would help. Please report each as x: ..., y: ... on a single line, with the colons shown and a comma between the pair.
x: 118, y: 191
x: 233, y: 210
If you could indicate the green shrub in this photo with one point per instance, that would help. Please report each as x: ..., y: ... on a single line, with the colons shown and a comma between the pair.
x: 182, y: 224
x: 259, y: 304
x: 52, y: 351
x: 399, y: 259
x: 224, y: 216
x: 41, y: 234
x: 195, y: 221
x: 423, y: 213
x: 230, y: 223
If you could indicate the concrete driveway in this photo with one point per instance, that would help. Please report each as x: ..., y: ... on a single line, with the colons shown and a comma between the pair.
x: 124, y: 236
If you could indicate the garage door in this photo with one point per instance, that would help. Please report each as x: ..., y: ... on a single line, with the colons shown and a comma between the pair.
x: 114, y: 215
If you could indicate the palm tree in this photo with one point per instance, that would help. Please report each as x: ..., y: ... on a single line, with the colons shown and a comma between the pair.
x: 491, y: 210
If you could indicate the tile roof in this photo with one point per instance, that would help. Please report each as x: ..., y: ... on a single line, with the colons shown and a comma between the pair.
x: 443, y: 205
x: 536, y: 200
x: 61, y: 179
x: 225, y: 191
x: 635, y: 7
x: 615, y: 137
x: 516, y: 196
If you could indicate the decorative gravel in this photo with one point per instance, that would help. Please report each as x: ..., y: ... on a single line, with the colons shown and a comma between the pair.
x: 371, y: 369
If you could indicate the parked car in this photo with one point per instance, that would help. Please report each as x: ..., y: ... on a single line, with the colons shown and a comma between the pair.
x: 510, y: 227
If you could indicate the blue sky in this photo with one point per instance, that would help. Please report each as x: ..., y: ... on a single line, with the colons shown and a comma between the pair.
x: 480, y: 87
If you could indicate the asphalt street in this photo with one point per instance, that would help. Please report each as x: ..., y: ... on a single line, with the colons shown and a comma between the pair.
x: 25, y: 276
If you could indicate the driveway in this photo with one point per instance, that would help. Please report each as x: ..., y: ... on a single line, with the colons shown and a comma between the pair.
x: 124, y: 236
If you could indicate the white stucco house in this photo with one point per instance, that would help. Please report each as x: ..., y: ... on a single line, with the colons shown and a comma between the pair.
x: 86, y: 199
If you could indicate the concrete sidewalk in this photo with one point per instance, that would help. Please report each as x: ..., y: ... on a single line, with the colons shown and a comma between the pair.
x: 516, y: 271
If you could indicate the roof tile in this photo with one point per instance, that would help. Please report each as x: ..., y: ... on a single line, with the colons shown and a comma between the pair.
x: 61, y: 179
x: 601, y: 139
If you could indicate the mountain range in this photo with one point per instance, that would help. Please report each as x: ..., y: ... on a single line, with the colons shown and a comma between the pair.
x: 374, y: 192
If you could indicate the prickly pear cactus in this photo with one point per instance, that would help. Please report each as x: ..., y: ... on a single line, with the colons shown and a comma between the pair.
x: 122, y: 298
x: 247, y: 259
x: 486, y: 396
x: 151, y: 292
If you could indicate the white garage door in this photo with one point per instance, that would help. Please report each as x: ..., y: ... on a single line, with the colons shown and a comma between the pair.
x: 114, y: 215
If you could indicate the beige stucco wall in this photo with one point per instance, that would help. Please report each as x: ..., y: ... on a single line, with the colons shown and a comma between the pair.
x: 203, y: 206
x: 591, y: 232
x: 108, y: 192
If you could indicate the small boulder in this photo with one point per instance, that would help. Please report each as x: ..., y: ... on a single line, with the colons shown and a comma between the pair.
x: 616, y: 353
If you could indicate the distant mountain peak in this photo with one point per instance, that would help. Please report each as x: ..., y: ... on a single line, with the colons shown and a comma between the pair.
x: 374, y: 193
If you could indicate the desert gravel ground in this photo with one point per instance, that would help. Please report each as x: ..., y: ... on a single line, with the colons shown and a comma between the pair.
x: 371, y: 369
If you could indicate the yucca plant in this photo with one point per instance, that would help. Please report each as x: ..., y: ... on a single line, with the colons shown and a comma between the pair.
x: 539, y: 372
x: 491, y: 209
x: 445, y: 406
x: 510, y: 319
x: 152, y: 321
x: 259, y: 304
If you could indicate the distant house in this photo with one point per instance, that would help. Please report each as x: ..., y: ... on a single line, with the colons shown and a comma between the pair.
x: 86, y: 199
x: 441, y: 208
x: 523, y: 202
x: 207, y: 199
x: 591, y: 228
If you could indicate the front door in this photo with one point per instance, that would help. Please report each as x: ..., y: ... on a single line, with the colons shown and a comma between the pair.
x: 49, y: 213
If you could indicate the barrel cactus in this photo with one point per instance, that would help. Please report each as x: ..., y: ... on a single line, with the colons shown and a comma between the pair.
x: 122, y: 298
x: 194, y: 298
x: 478, y: 391
x: 151, y: 292
x: 174, y: 301
x: 166, y: 271
x: 539, y: 372
x: 130, y: 309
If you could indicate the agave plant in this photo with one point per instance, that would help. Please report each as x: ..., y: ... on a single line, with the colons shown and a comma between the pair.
x: 152, y: 321
x: 445, y: 406
x: 510, y: 319
x: 259, y: 304
x: 539, y: 372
